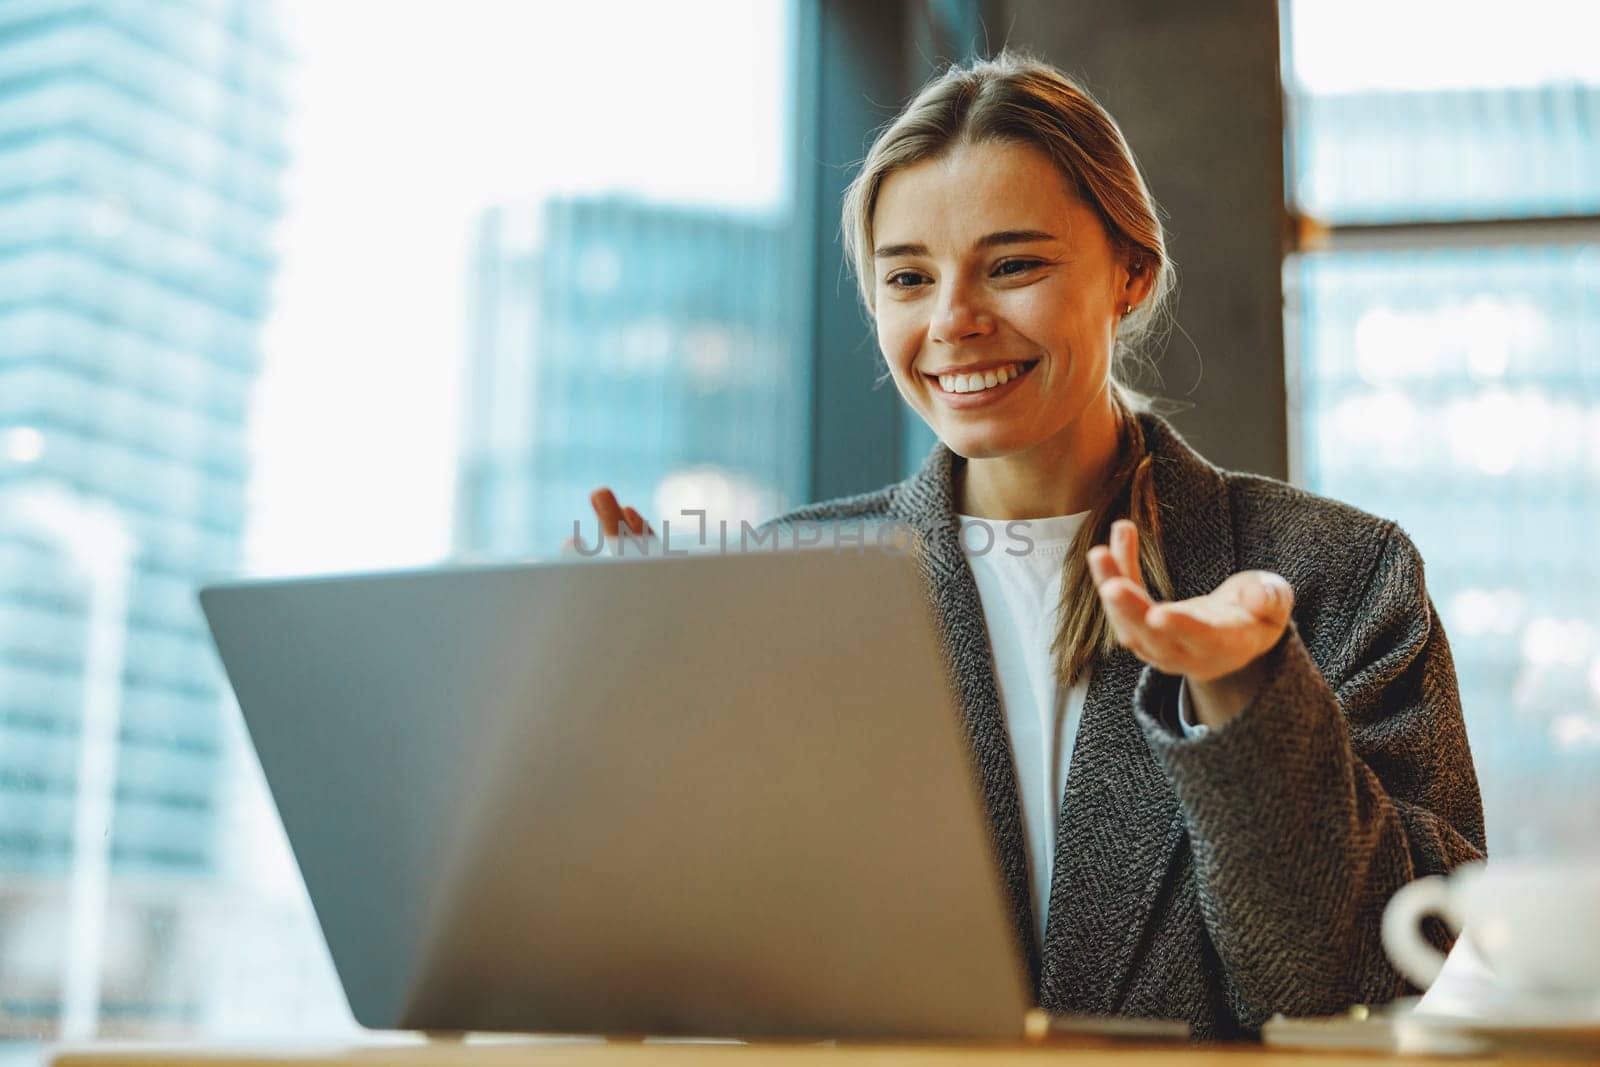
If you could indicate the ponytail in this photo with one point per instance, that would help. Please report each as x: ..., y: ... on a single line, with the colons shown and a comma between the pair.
x: 1130, y: 493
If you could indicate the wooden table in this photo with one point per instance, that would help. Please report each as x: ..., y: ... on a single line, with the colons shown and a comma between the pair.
x: 557, y: 1052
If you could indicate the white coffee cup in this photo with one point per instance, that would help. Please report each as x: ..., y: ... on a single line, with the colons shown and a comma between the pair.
x: 1537, y: 926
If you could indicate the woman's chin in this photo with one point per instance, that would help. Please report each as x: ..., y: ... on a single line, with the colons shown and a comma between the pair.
x: 970, y: 445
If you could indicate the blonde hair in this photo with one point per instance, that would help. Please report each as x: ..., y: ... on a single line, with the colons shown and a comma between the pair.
x: 1015, y: 99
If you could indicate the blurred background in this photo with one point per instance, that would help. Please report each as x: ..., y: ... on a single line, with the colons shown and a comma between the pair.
x: 289, y: 286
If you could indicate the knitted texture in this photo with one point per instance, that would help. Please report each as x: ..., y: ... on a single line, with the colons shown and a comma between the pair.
x: 1223, y: 878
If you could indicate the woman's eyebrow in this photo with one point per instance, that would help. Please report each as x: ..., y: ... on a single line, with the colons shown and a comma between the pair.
x: 1003, y: 237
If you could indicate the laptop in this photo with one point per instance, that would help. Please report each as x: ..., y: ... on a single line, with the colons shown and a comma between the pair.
x: 710, y: 796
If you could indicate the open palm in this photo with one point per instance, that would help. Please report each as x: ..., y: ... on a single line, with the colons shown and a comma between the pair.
x: 1203, y: 638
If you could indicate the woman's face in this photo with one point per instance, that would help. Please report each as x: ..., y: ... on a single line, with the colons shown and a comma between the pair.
x: 986, y: 263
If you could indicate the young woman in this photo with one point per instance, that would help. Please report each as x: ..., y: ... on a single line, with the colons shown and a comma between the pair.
x: 1215, y: 716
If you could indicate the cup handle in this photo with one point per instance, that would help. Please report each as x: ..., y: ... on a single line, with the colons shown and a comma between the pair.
x: 1408, y: 950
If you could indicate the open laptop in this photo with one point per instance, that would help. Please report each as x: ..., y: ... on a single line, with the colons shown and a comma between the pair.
x: 715, y: 796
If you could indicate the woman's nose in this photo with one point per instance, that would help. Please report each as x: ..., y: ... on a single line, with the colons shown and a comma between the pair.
x: 959, y: 316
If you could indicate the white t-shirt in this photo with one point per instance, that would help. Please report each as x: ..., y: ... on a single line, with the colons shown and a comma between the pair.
x: 1019, y: 585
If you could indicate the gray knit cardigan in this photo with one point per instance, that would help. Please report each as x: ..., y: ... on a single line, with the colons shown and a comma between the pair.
x: 1224, y: 878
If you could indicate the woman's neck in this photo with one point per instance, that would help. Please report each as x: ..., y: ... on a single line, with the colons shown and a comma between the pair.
x: 1062, y: 476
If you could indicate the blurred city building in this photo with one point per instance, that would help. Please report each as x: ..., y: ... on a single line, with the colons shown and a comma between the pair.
x: 651, y: 348
x: 1445, y: 361
x: 141, y: 155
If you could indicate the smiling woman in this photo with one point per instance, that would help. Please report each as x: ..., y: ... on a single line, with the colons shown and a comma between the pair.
x: 1215, y: 716
x: 992, y: 227
x: 976, y: 293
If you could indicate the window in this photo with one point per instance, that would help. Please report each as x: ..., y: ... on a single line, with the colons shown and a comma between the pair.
x: 1444, y: 320
x: 437, y: 277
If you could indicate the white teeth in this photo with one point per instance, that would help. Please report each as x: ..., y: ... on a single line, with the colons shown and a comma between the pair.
x: 973, y: 383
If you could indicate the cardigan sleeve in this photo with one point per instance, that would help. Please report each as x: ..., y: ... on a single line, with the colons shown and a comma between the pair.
x: 1311, y: 807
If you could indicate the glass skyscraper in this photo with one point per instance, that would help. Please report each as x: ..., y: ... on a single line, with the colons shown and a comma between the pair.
x: 141, y: 153
x: 648, y: 347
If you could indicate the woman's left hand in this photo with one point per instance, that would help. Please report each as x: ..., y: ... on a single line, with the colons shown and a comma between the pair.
x: 1217, y: 642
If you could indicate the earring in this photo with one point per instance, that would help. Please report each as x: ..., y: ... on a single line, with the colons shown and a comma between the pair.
x: 1127, y: 309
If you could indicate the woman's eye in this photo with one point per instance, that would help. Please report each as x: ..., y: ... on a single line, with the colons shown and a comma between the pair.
x: 1013, y: 267
x: 904, y: 279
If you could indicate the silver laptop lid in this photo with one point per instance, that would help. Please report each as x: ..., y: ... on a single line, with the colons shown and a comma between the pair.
x: 722, y: 795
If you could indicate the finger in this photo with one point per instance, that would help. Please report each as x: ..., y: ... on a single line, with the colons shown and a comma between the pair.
x: 1269, y: 597
x: 1259, y: 596
x: 1126, y: 605
x: 1215, y: 634
x: 1211, y: 612
x: 1102, y: 565
x: 1180, y: 627
x: 1131, y: 614
x: 1128, y: 594
x: 605, y: 505
x: 1125, y: 547
x: 636, y: 522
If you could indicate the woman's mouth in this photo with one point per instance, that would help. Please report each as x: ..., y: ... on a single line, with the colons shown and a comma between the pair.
x: 970, y: 390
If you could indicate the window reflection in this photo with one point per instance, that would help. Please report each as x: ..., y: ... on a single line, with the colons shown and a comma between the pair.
x: 633, y: 345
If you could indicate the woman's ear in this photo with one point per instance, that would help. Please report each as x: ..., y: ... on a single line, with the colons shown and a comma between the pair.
x: 1138, y: 276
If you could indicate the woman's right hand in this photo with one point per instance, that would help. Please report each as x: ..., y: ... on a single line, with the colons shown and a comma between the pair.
x: 614, y: 516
